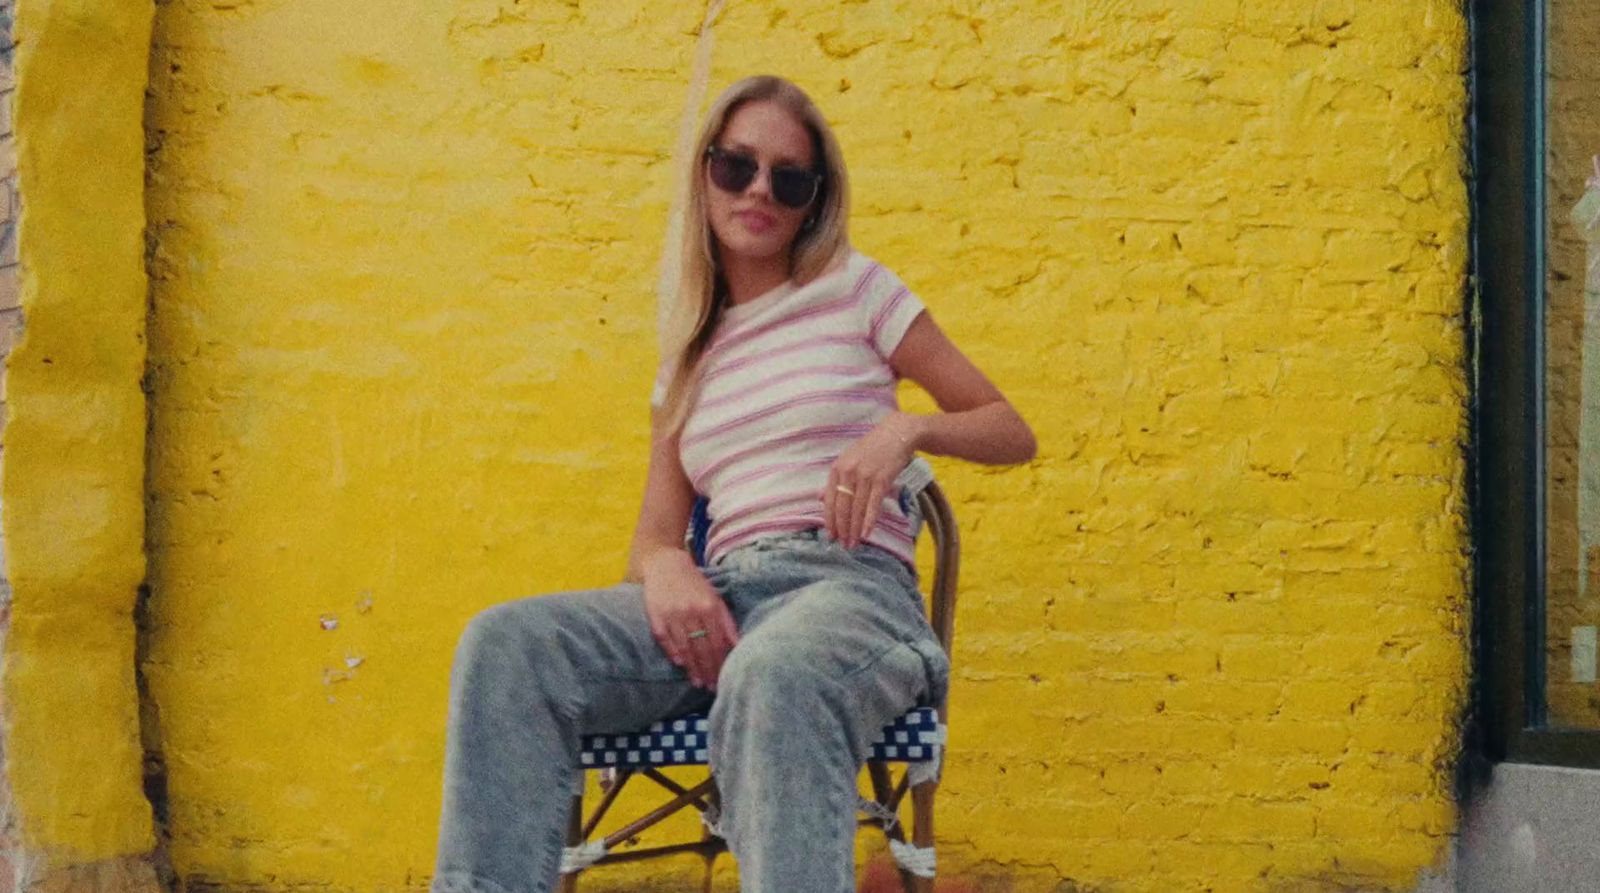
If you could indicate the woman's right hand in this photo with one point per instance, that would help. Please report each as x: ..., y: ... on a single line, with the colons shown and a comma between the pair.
x: 687, y: 616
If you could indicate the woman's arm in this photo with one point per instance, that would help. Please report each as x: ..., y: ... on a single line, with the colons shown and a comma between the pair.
x: 687, y: 616
x: 664, y: 514
x: 977, y: 423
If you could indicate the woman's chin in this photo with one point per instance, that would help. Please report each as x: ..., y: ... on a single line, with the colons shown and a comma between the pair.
x: 754, y: 246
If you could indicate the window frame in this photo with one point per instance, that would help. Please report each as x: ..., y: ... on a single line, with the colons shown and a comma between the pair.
x: 1509, y: 233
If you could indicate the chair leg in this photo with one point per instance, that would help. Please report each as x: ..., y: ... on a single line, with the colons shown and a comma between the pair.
x: 883, y: 792
x: 569, y: 882
x: 714, y: 798
x: 711, y: 863
x: 922, y: 830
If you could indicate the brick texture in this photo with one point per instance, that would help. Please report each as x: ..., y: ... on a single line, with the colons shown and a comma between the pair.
x: 402, y: 334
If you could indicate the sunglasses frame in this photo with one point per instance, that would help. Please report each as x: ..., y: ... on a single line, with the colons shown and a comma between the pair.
x: 715, y: 153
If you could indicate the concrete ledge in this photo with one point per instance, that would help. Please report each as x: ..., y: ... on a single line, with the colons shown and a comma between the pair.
x: 1535, y: 828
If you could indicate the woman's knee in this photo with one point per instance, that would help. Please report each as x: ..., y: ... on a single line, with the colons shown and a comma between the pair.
x: 519, y: 629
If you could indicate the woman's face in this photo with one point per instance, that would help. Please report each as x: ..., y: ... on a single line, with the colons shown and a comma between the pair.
x: 752, y: 223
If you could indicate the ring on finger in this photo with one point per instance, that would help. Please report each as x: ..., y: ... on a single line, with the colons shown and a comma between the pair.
x: 697, y: 634
x: 845, y: 490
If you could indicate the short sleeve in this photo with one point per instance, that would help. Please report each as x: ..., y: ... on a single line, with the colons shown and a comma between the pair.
x: 888, y: 307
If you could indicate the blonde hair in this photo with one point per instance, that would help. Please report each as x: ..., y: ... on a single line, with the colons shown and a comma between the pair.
x: 702, y: 295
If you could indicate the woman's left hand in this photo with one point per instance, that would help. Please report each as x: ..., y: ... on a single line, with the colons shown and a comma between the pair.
x: 863, y: 474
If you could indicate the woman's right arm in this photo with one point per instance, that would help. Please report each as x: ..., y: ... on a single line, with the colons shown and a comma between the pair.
x: 687, y: 616
x: 668, y: 499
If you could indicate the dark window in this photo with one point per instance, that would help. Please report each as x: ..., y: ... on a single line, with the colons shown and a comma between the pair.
x: 1536, y: 210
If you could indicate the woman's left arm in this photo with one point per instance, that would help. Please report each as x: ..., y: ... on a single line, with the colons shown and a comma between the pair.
x: 975, y: 423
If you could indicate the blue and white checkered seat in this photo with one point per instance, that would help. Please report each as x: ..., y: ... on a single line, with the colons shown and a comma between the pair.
x: 913, y: 738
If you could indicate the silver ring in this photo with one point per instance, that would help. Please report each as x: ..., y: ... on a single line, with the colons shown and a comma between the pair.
x: 698, y: 634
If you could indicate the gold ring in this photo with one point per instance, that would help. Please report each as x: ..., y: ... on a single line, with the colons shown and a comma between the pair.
x: 845, y: 490
x: 698, y: 634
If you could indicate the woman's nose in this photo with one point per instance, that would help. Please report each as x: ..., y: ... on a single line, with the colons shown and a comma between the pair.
x: 762, y: 184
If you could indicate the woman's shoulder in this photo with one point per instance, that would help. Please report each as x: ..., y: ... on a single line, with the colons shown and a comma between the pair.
x: 852, y: 273
x: 842, y: 265
x: 840, y: 275
x: 858, y: 262
x: 852, y: 267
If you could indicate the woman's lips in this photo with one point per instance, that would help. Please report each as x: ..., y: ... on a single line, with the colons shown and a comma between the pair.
x: 755, y: 221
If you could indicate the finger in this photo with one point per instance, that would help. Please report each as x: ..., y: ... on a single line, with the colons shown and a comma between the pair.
x: 852, y: 514
x: 858, y: 508
x: 658, y: 631
x: 828, y: 495
x: 678, y: 626
x: 730, y: 629
x: 869, y: 509
x: 677, y: 648
x: 702, y: 658
x: 724, y: 635
x: 711, y: 650
x: 884, y: 491
x: 844, y: 497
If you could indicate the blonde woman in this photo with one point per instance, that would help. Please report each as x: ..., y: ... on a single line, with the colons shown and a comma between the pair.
x: 803, y: 630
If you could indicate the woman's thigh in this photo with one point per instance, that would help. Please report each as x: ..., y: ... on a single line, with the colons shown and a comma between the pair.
x: 857, y: 641
x: 591, y: 653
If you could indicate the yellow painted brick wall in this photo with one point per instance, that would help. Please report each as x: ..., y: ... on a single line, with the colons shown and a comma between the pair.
x: 403, y: 329
x: 72, y: 486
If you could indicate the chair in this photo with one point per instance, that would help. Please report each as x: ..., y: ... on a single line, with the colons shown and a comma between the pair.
x: 915, y: 740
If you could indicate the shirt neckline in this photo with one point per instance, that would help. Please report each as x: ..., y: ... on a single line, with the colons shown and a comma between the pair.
x: 767, y: 298
x: 735, y: 312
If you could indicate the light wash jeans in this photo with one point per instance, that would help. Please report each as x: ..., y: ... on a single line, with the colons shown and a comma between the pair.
x: 833, y: 645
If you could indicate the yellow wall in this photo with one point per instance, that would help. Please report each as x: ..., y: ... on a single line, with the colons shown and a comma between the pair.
x: 73, y: 478
x: 403, y: 328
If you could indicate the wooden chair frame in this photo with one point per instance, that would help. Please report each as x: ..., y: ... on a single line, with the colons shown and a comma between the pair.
x: 888, y: 793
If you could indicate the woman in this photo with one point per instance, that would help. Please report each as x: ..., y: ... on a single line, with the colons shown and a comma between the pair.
x: 805, y: 622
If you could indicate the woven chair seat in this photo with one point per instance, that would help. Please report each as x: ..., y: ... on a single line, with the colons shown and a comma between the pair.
x: 913, y: 738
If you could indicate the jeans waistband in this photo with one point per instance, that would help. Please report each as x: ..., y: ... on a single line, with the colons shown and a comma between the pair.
x: 774, y: 541
x: 812, y: 539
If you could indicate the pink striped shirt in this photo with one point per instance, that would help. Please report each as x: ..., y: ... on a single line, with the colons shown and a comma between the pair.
x: 790, y: 380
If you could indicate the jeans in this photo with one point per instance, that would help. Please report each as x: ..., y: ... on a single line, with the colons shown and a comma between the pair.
x: 833, y: 645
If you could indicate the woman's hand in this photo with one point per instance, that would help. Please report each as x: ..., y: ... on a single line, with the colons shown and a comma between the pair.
x: 863, y: 475
x: 687, y: 616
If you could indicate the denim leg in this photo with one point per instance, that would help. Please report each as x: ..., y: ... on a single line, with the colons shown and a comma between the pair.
x: 530, y: 677
x: 816, y: 675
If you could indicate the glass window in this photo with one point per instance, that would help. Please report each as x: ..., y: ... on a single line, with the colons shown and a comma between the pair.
x: 1571, y: 362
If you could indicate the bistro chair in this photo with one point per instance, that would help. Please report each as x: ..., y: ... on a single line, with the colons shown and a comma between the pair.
x: 915, y: 741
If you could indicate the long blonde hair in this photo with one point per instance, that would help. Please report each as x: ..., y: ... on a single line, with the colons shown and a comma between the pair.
x: 702, y: 294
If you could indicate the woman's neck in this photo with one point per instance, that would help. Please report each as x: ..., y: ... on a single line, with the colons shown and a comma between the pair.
x: 749, y: 278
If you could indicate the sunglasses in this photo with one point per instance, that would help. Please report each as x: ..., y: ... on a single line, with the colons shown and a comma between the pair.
x: 733, y: 172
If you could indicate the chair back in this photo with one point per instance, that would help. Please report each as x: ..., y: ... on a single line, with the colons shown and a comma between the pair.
x: 940, y: 523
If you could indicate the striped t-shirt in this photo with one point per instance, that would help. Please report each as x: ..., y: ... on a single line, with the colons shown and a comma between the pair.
x: 790, y: 380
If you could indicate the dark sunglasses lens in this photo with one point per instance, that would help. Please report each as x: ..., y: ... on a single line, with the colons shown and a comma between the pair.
x: 793, y: 187
x: 733, y: 173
